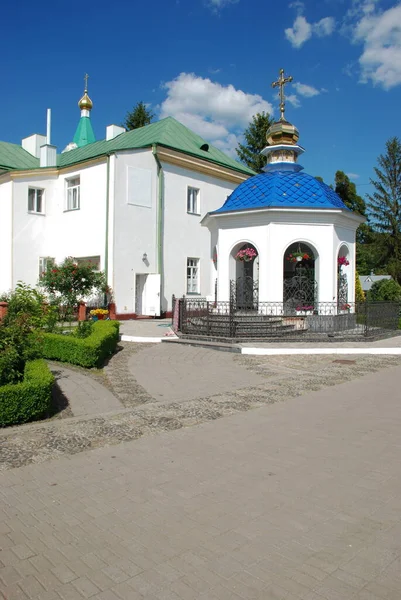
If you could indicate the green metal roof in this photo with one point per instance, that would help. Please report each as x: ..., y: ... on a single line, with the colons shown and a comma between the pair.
x: 13, y: 156
x: 84, y: 133
x: 167, y: 132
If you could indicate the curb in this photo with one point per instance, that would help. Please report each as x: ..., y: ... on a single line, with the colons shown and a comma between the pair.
x: 145, y: 340
x: 306, y: 351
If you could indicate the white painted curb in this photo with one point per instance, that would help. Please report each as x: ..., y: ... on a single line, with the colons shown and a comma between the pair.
x: 145, y: 340
x: 289, y: 351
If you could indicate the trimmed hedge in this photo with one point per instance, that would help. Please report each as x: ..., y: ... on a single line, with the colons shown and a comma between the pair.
x: 30, y: 399
x: 87, y: 352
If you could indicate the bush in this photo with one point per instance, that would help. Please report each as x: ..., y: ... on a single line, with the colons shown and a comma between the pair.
x: 86, y: 352
x: 385, y: 290
x: 30, y: 399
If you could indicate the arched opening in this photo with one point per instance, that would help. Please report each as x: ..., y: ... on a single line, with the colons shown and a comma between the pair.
x: 300, y: 289
x: 343, y: 272
x: 244, y: 276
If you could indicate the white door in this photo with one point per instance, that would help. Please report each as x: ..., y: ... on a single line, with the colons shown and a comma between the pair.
x: 151, y: 296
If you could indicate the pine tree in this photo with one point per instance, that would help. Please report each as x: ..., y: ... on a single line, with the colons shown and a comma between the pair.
x: 139, y: 116
x: 384, y: 206
x: 255, y: 137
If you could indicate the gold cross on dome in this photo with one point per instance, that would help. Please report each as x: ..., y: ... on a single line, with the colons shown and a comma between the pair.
x: 281, y: 82
x: 86, y: 81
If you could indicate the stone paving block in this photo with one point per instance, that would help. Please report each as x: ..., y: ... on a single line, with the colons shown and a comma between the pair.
x: 12, y: 592
x: 85, y: 587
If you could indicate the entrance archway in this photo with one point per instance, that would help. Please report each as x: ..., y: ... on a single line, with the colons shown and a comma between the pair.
x: 244, y: 276
x: 300, y: 290
x: 343, y: 270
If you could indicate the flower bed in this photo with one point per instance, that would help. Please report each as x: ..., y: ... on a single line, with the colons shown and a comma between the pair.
x: 30, y: 399
x: 87, y: 352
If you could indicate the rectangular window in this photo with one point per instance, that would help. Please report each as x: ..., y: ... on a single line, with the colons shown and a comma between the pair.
x: 93, y: 261
x: 35, y: 201
x: 192, y: 275
x: 193, y: 201
x: 73, y: 193
x: 45, y: 263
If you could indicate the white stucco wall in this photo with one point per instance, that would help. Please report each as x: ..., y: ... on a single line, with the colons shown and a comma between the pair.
x: 58, y: 233
x: 134, y: 228
x: 6, y: 191
x: 184, y: 237
x: 272, y: 232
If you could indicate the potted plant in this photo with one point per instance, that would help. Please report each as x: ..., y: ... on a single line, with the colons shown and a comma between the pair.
x: 246, y: 254
x: 298, y: 256
x: 98, y: 314
x: 342, y: 261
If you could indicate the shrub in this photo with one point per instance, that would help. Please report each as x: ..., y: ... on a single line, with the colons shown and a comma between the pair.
x: 385, y: 290
x: 86, y: 352
x: 359, y: 295
x: 83, y: 329
x: 30, y: 399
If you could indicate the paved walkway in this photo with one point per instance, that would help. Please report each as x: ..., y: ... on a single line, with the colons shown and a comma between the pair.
x: 298, y: 500
x: 85, y: 395
x: 175, y: 372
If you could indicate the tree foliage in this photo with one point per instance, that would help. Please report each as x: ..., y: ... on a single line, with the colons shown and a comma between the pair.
x: 68, y: 283
x: 346, y: 189
x: 384, y: 206
x: 255, y: 138
x: 385, y: 290
x: 139, y: 116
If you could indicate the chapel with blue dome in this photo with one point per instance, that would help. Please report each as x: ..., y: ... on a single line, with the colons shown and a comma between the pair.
x: 282, y: 227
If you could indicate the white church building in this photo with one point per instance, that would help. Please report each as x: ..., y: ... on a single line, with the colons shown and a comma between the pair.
x: 163, y: 212
x: 131, y: 203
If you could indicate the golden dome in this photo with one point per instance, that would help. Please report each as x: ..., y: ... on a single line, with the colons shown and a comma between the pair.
x: 282, y: 132
x: 85, y: 103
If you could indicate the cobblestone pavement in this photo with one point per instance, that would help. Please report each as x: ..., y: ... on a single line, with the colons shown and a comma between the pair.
x: 276, y: 379
x: 300, y: 500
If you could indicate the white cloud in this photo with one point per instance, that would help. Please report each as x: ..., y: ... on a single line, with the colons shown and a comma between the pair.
x: 352, y: 175
x: 218, y: 113
x: 299, y: 33
x: 324, y: 27
x: 217, y: 5
x: 293, y: 100
x: 306, y: 90
x: 301, y: 30
x: 380, y: 34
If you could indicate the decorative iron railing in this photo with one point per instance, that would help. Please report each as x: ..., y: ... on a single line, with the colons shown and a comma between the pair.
x: 202, y: 317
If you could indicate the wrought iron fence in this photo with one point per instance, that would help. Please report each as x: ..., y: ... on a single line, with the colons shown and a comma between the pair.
x: 277, y: 320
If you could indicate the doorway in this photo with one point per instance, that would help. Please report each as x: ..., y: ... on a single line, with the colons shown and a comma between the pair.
x: 147, y: 294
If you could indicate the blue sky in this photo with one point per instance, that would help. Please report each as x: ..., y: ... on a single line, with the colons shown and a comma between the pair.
x: 210, y: 63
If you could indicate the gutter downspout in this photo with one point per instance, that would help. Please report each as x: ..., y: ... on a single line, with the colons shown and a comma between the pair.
x: 106, y: 247
x: 159, y: 226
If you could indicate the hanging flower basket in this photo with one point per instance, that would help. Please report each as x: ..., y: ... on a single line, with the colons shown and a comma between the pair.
x: 342, y: 261
x: 246, y: 255
x: 298, y: 256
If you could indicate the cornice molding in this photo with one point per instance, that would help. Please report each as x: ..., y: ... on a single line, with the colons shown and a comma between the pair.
x: 202, y: 166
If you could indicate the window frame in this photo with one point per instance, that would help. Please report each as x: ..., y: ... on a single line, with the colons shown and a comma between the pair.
x: 45, y: 262
x: 193, y: 208
x: 190, y: 278
x: 35, y: 200
x: 87, y: 260
x: 69, y: 195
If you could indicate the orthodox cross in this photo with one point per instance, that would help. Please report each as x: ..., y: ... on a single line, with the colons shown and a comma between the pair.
x: 281, y: 82
x: 86, y: 81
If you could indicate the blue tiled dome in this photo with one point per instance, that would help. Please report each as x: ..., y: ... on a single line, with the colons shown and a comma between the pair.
x: 282, y: 189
